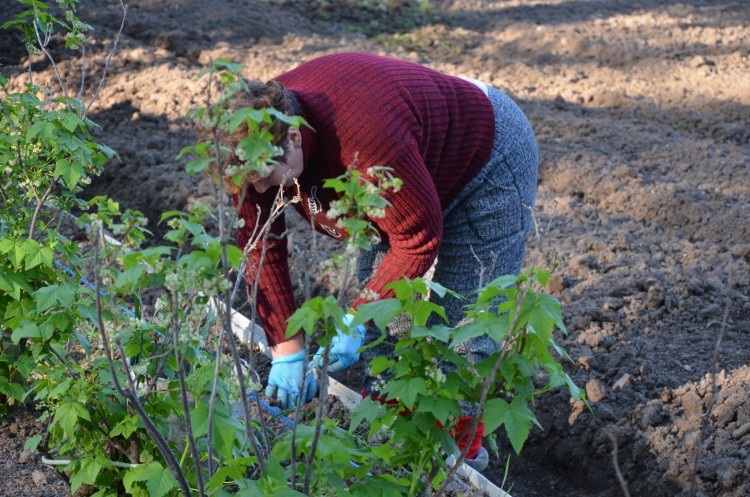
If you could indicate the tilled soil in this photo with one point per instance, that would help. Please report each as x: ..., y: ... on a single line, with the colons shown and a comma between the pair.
x: 642, y: 114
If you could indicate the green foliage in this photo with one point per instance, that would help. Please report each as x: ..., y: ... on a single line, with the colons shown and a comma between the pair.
x: 512, y: 311
x: 48, y: 155
x: 142, y: 399
x: 361, y: 199
x: 38, y: 23
x: 256, y: 151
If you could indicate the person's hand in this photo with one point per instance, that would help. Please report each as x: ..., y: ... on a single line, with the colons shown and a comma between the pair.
x: 344, y: 348
x: 286, y: 377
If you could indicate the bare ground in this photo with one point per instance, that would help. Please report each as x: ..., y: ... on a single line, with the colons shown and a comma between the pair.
x: 642, y: 113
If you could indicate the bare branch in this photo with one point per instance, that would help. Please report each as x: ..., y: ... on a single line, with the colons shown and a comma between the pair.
x: 175, y: 326
x: 43, y: 48
x: 109, y: 57
x: 130, y: 393
x: 616, y: 464
x: 706, y: 418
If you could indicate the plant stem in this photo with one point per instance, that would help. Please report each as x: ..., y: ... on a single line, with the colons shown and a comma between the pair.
x: 175, y: 325
x: 130, y: 393
x: 37, y: 210
x: 109, y: 57
x: 318, y: 418
x: 616, y: 464
x: 706, y: 418
x: 486, y: 385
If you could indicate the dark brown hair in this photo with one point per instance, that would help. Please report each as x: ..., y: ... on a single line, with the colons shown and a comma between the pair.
x: 257, y: 95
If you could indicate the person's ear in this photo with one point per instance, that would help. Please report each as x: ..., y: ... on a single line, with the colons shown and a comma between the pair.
x: 295, y: 137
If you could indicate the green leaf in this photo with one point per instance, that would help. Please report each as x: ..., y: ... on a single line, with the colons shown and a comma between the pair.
x: 253, y: 147
x: 18, y: 309
x: 159, y: 480
x: 239, y: 116
x: 440, y: 332
x: 380, y: 364
x: 233, y: 469
x: 11, y: 389
x: 60, y: 388
x: 50, y: 131
x: 88, y: 311
x: 37, y: 254
x: 131, y: 276
x: 70, y: 171
x: 380, y: 312
x: 32, y: 443
x: 423, y: 309
x: 548, y: 315
x: 305, y: 317
x: 198, y: 165
x: 87, y: 473
x: 46, y: 297
x: 518, y: 421
x: 226, y: 428
x: 26, y: 330
x: 295, y: 121
x: 199, y: 420
x: 471, y: 330
x: 108, y: 152
x: 34, y: 130
x: 67, y: 416
x: 367, y: 410
x: 441, y: 291
x: 13, y: 248
x: 70, y: 120
x: 406, y: 391
x: 234, y: 255
x: 25, y: 365
x: 494, y: 414
x: 67, y: 294
x: 373, y: 487
x: 125, y: 428
x: 12, y: 284
x: 439, y: 407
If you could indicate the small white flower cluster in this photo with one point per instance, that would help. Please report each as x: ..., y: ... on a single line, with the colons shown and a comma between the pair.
x: 435, y: 374
x: 378, y: 386
x: 75, y: 40
x: 233, y: 389
x: 188, y: 282
x: 172, y: 282
x: 375, y: 212
x: 232, y: 170
x: 161, y: 304
x: 351, y: 250
x: 339, y: 208
x: 190, y: 335
x: 368, y: 294
x: 139, y: 369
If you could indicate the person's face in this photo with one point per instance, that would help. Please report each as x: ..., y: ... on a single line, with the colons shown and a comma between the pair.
x: 284, y: 174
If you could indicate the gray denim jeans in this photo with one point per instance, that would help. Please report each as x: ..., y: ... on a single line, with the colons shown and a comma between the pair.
x: 484, y: 231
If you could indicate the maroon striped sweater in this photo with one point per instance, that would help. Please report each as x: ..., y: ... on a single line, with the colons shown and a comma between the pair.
x: 434, y: 130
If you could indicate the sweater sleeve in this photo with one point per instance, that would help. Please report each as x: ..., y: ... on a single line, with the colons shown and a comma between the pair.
x: 267, y: 265
x: 413, y: 225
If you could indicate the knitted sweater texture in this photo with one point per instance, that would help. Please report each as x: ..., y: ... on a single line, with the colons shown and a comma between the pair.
x: 435, y: 131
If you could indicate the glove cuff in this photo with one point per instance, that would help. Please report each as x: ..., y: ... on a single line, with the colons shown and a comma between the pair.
x: 299, y: 356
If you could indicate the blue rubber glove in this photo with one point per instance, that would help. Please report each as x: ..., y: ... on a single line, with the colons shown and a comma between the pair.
x: 344, y: 348
x: 285, y: 379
